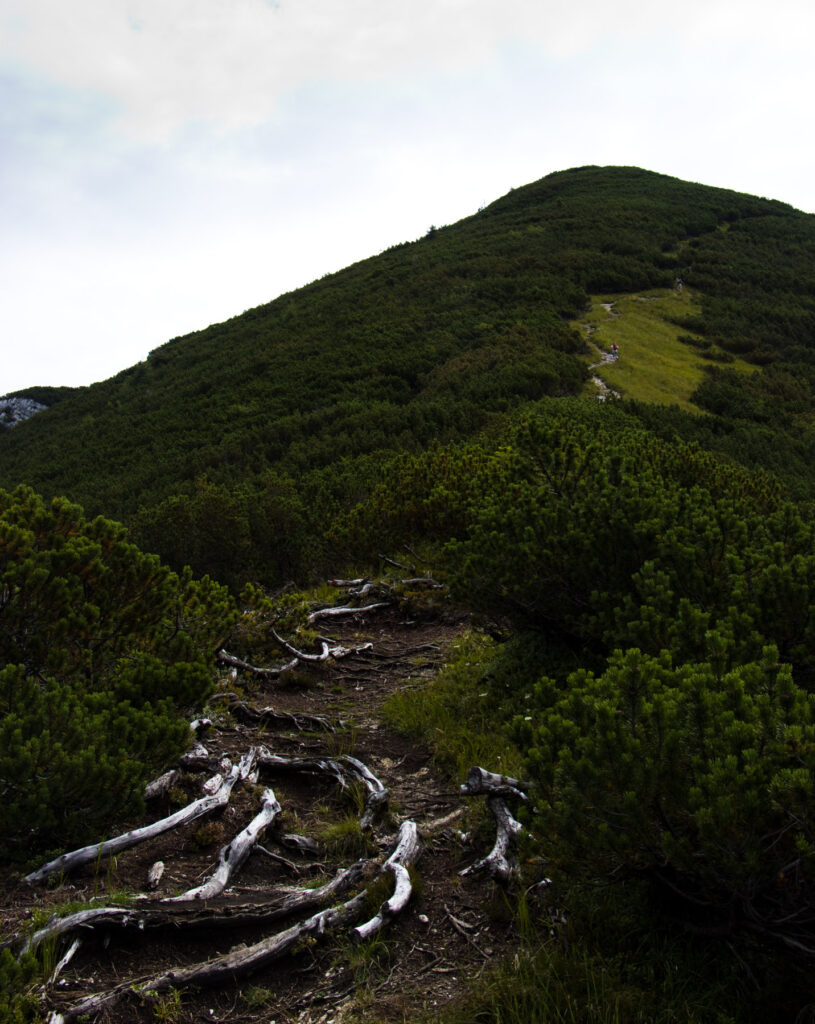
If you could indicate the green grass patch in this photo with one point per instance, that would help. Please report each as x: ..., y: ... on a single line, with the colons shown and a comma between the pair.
x: 454, y: 714
x: 653, y: 365
x: 345, y: 838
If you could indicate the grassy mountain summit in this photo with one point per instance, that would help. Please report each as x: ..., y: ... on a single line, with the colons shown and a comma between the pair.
x: 228, y: 448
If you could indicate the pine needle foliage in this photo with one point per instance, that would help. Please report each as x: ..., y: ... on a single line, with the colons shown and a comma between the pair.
x: 101, y: 648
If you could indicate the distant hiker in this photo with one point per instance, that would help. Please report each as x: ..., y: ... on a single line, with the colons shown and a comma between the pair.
x: 614, y: 350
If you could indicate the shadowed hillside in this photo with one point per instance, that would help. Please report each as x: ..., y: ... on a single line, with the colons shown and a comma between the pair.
x: 600, y: 614
x: 268, y: 424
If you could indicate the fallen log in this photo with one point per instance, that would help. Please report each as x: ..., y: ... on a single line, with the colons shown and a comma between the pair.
x: 232, y: 856
x: 68, y: 862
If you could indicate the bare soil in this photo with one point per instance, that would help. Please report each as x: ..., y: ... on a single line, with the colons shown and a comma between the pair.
x: 453, y: 930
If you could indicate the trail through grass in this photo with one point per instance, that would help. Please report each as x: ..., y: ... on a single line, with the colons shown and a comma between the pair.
x: 653, y: 365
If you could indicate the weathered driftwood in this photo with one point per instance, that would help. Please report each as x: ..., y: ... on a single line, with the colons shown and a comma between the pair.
x: 232, y: 856
x: 481, y: 782
x: 406, y: 853
x: 271, y: 716
x: 498, y: 863
x: 68, y: 862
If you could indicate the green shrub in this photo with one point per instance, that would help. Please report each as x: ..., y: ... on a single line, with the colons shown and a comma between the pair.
x: 17, y: 1004
x: 698, y: 780
x: 102, y: 647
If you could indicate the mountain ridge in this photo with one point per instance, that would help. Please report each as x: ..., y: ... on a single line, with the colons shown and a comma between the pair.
x: 299, y: 403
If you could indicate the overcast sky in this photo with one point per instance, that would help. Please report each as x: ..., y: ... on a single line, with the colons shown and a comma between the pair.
x: 167, y: 164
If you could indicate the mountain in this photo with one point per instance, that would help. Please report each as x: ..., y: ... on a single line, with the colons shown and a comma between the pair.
x: 231, y: 447
x: 612, y: 636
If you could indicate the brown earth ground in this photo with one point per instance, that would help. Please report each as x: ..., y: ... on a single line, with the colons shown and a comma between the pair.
x: 453, y: 930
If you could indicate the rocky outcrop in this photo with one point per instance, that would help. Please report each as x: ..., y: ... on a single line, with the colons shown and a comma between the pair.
x: 15, y: 410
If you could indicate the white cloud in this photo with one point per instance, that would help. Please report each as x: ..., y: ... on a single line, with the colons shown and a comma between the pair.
x: 229, y: 62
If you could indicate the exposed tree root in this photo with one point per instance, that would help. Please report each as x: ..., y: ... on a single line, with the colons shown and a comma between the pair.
x: 247, y: 959
x: 271, y: 716
x: 344, y: 769
x: 480, y: 781
x: 156, y: 915
x: 244, y: 666
x: 406, y: 853
x: 217, y: 906
x: 235, y: 853
x: 163, y: 784
x: 499, y: 863
x: 334, y: 613
x: 327, y: 649
x: 68, y: 862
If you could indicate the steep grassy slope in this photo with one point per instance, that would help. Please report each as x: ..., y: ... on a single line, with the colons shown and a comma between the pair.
x: 268, y: 423
x: 658, y: 361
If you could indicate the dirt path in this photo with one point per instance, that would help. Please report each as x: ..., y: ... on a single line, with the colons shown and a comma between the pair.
x: 452, y: 931
x: 604, y: 392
